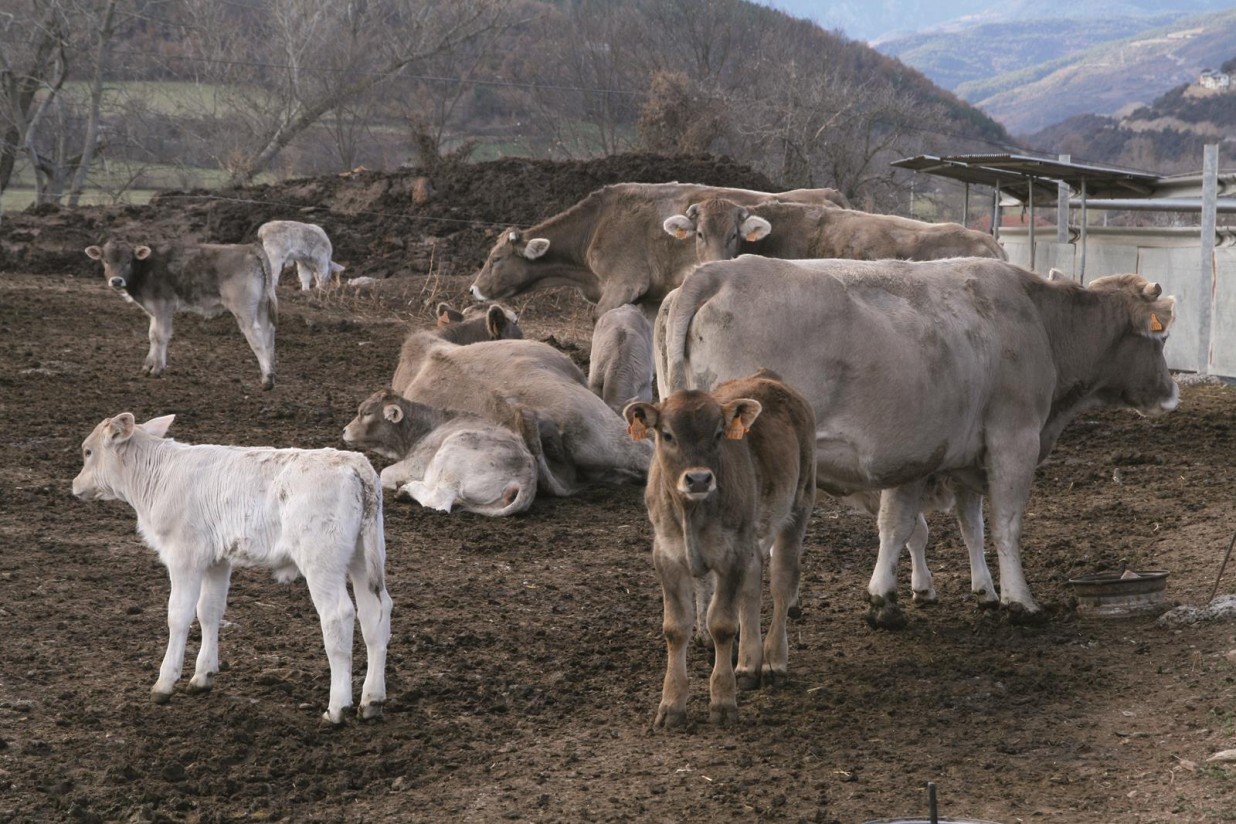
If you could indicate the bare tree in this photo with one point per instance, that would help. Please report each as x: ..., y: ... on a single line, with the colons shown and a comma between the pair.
x: 32, y: 60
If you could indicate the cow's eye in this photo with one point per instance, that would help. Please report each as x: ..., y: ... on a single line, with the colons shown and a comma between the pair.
x: 667, y: 437
x: 87, y: 452
x: 718, y: 436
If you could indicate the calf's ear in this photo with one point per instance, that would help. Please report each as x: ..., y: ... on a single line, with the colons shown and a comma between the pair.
x: 739, y: 414
x: 641, y: 419
x: 159, y: 426
x: 754, y: 228
x: 536, y: 247
x: 1160, y: 318
x: 678, y: 226
x: 393, y: 412
x: 120, y: 428
x: 94, y: 253
x: 141, y: 252
x: 447, y: 314
x: 496, y: 322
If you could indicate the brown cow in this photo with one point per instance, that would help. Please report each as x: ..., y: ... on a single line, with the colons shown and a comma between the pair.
x: 724, y: 229
x: 610, y: 245
x: 620, y: 363
x: 732, y: 478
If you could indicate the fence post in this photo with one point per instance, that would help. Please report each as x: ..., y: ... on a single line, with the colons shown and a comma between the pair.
x: 1206, y: 275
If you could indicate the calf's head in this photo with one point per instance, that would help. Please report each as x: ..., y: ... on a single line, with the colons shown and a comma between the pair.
x: 389, y: 424
x: 1134, y: 372
x: 511, y: 266
x: 103, y: 476
x: 478, y: 323
x: 691, y: 428
x: 118, y: 259
x: 719, y: 227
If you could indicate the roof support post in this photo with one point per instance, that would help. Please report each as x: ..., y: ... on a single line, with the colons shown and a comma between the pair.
x: 1206, y: 294
x: 1062, y: 208
x: 965, y: 208
x: 1030, y: 197
x: 995, y: 212
x: 1081, y: 267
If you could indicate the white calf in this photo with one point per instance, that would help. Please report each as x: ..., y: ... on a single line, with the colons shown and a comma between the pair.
x: 205, y: 508
x: 305, y: 244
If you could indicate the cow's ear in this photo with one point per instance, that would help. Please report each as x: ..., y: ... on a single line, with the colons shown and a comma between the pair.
x: 641, y: 419
x: 496, y: 322
x: 94, y: 253
x: 158, y: 426
x: 1152, y: 290
x: 141, y: 252
x: 678, y: 226
x: 393, y: 412
x: 1055, y: 274
x: 754, y: 228
x: 536, y: 247
x: 447, y: 314
x: 739, y: 415
x: 120, y: 428
x: 1159, y: 321
x: 512, y: 236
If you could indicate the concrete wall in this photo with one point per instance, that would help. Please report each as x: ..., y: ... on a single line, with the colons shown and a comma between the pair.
x: 1172, y: 257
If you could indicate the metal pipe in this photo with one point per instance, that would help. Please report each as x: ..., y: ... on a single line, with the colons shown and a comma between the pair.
x: 965, y: 208
x: 1206, y: 296
x: 995, y: 213
x: 1223, y: 205
x: 1081, y: 269
x: 1030, y: 198
x: 1062, y: 206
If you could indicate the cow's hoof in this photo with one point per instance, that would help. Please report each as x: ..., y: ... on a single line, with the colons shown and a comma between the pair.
x: 747, y: 681
x: 670, y: 719
x: 884, y: 613
x: 160, y: 697
x: 268, y: 384
x: 795, y: 611
x: 197, y: 686
x: 332, y: 718
x: 1023, y: 617
x: 723, y: 715
x: 925, y: 597
x: 987, y: 600
x: 775, y: 678
x: 372, y: 711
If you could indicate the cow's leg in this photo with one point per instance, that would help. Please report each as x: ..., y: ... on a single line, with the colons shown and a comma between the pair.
x: 260, y: 333
x: 338, y: 617
x: 705, y: 585
x: 970, y: 522
x: 899, y: 510
x: 750, y: 644
x: 783, y: 579
x: 924, y: 591
x: 305, y: 273
x: 210, y: 606
x: 186, y: 584
x: 373, y: 607
x: 723, y: 627
x: 1010, y: 474
x: 676, y: 586
x: 160, y: 333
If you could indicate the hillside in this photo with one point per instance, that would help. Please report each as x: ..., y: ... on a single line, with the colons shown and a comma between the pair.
x: 1108, y: 78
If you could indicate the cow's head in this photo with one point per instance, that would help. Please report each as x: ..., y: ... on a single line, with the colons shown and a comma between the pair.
x: 509, y: 268
x: 478, y: 323
x: 719, y: 228
x: 389, y: 424
x: 103, y: 476
x: 691, y: 428
x: 1134, y: 371
x: 118, y: 258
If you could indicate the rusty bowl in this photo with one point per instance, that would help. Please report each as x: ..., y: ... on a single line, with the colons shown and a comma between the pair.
x: 1120, y: 594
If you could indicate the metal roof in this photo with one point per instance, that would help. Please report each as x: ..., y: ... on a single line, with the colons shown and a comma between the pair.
x: 1016, y: 174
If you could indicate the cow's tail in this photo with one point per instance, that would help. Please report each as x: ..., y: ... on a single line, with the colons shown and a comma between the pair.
x: 270, y: 280
x: 373, y: 534
x: 678, y: 310
x: 520, y: 494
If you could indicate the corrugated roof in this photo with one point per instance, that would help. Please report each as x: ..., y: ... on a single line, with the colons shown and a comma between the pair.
x: 1016, y: 174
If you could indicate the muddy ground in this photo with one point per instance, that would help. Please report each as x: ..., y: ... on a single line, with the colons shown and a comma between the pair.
x: 526, y: 656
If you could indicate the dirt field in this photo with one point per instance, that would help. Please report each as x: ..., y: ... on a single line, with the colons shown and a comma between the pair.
x: 526, y: 658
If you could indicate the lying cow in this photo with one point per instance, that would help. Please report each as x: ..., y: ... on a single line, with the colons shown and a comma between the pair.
x: 732, y: 479
x: 723, y: 229
x: 909, y: 372
x: 445, y: 458
x: 203, y: 278
x: 620, y: 365
x: 477, y: 323
x: 205, y: 508
x: 609, y: 245
x: 582, y: 441
x: 306, y: 245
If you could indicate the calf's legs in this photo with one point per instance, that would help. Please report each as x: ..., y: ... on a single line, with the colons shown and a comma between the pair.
x: 338, y: 618
x: 186, y: 585
x: 210, y: 606
x: 374, y: 610
x: 676, y: 595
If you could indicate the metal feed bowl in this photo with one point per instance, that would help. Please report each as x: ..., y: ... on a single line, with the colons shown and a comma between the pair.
x: 1120, y: 594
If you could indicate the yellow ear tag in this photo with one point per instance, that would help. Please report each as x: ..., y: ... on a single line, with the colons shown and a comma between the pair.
x: 681, y: 233
x: 750, y: 237
x: 1155, y: 325
x: 735, y: 431
x: 637, y: 430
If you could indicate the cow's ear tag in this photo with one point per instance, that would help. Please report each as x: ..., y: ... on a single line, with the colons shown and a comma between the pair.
x: 1155, y: 324
x: 735, y: 431
x: 637, y: 429
x: 680, y: 233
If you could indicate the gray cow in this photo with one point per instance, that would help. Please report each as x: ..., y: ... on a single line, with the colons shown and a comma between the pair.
x: 306, y: 245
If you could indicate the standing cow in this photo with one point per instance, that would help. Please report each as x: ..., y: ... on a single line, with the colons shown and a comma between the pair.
x: 204, y: 508
x: 965, y: 369
x: 732, y: 480
x: 203, y: 278
x: 306, y: 245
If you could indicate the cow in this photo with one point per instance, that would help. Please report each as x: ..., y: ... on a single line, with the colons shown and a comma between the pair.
x: 206, y: 508
x: 620, y: 368
x: 582, y: 440
x: 609, y: 246
x: 203, y: 278
x: 723, y: 229
x: 963, y: 369
x: 447, y: 458
x: 477, y: 323
x: 306, y: 245
x: 732, y: 483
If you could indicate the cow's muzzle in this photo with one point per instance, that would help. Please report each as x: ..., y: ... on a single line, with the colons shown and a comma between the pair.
x: 697, y: 484
x: 476, y: 293
x: 117, y: 283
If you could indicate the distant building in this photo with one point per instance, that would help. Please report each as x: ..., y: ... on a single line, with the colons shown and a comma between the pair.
x: 1215, y: 80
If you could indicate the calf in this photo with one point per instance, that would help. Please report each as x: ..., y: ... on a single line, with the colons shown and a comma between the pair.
x: 305, y: 244
x: 205, y: 508
x: 732, y: 479
x: 474, y: 324
x: 203, y: 278
x: 447, y: 458
x: 620, y: 367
